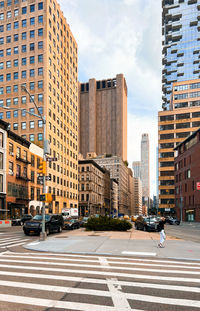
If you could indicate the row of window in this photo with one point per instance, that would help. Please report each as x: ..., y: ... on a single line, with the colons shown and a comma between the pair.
x: 9, y: 2
x: 15, y: 75
x: 24, y: 10
x: 179, y: 125
x: 8, y: 52
x: 16, y: 37
x: 23, y: 100
x: 16, y: 89
x: 180, y: 116
x: 24, y: 24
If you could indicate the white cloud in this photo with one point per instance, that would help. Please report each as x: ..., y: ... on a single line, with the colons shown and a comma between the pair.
x: 123, y: 36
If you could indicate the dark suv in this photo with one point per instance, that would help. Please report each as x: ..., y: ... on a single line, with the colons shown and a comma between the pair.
x: 146, y: 223
x: 53, y: 223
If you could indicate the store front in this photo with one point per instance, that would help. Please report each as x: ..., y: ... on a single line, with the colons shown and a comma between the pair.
x: 17, y: 209
x: 190, y: 215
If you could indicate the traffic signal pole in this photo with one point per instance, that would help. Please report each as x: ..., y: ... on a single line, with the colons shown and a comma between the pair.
x: 43, y: 233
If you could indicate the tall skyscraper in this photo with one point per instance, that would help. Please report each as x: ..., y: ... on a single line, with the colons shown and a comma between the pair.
x: 38, y: 51
x: 136, y: 165
x: 180, y: 28
x: 175, y: 125
x: 103, y: 117
x: 145, y: 176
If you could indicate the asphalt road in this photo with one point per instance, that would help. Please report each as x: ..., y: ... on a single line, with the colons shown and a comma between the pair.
x: 185, y: 231
x: 50, y: 282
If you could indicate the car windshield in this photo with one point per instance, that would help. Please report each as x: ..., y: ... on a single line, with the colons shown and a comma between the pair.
x: 85, y: 218
x: 39, y: 217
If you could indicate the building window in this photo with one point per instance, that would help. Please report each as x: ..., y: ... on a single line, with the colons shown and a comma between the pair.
x: 40, y: 19
x: 10, y: 170
x: 32, y: 86
x: 23, y: 125
x: 16, y: 25
x: 32, y: 46
x: 1, y: 160
x: 8, y: 114
x: 24, y: 10
x: 15, y: 101
x: 15, y: 126
x: 32, y: 8
x: 32, y: 72
x: 24, y: 61
x: 31, y: 124
x: 23, y: 99
x: 31, y: 137
x: 1, y: 183
x: 16, y: 37
x: 32, y: 21
x: 40, y: 6
x: 40, y: 32
x: 40, y: 123
x: 40, y: 136
x: 15, y: 113
x: 16, y: 75
x: 23, y: 35
x: 24, y: 23
x: 15, y: 63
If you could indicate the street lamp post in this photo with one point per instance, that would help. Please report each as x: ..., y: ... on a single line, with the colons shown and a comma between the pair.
x: 45, y: 152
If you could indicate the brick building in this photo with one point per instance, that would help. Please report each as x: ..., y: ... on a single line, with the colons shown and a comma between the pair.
x: 187, y: 175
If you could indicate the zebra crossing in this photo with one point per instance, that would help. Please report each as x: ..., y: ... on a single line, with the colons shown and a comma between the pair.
x: 9, y: 240
x: 36, y: 281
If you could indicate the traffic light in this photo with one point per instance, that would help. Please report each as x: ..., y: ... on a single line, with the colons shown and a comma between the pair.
x: 43, y: 168
x: 46, y: 197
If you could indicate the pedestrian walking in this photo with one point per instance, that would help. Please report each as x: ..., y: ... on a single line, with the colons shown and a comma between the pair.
x: 161, y: 229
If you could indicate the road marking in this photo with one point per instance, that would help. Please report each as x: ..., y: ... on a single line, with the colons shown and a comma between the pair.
x: 53, y: 288
x: 34, y: 243
x: 12, y: 255
x: 111, y: 257
x: 9, y: 239
x: 109, y: 262
x: 118, y: 297
x: 120, y: 283
x: 56, y: 304
x: 139, y: 253
x: 97, y: 266
x: 2, y: 244
x: 13, y: 245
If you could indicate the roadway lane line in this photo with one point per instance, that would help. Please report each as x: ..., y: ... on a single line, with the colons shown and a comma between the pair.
x: 52, y: 288
x: 13, y: 245
x: 56, y: 304
x: 111, y: 257
x: 103, y: 273
x: 9, y: 239
x: 3, y: 244
x: 97, y: 266
x: 102, y: 281
x: 118, y: 297
x: 109, y: 262
x: 139, y: 253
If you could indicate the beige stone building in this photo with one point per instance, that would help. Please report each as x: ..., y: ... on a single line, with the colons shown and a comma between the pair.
x: 175, y: 125
x: 103, y: 117
x: 137, y: 208
x: 130, y: 192
x: 38, y: 51
x: 94, y: 189
x: 119, y: 171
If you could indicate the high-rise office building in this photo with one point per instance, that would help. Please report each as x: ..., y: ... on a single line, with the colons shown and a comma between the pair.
x: 175, y: 125
x: 103, y: 117
x: 38, y: 51
x: 145, y: 176
x: 136, y: 165
x: 180, y: 29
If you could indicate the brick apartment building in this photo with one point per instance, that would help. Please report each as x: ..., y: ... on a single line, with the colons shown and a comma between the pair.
x: 187, y: 175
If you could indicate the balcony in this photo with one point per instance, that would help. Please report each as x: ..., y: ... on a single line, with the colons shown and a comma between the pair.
x: 22, y: 160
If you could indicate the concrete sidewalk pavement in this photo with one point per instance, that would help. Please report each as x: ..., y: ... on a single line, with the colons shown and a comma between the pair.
x: 130, y: 243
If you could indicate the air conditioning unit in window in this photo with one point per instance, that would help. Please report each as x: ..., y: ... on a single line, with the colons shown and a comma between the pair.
x: 11, y: 153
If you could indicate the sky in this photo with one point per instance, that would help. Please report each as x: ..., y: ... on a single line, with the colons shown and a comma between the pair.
x: 123, y: 36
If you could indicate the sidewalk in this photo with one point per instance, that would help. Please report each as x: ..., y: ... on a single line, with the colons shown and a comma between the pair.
x: 131, y: 243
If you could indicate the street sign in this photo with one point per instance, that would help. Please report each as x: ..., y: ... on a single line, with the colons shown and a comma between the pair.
x: 51, y: 159
x: 198, y: 185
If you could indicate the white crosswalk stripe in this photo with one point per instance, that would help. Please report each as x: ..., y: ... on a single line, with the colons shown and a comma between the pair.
x: 97, y: 283
x: 12, y: 240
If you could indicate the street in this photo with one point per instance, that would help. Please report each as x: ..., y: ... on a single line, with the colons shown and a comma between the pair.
x: 186, y: 231
x: 38, y: 281
x: 41, y: 281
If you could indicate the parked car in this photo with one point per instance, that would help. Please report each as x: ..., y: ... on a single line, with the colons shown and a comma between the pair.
x: 71, y: 224
x: 22, y: 220
x: 83, y: 221
x: 172, y: 221
x: 134, y: 217
x: 53, y: 223
x: 146, y: 223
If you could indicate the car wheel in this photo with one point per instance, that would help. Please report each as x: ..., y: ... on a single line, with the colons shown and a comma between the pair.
x: 145, y: 229
x: 59, y: 229
x: 47, y: 231
x: 26, y: 233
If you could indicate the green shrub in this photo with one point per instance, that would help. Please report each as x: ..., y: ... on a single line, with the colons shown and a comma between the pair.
x: 105, y: 223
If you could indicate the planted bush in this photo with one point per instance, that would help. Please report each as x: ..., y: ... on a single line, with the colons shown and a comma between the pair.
x: 105, y: 223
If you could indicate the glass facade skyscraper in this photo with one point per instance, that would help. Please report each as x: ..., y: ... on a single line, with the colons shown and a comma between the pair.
x: 181, y: 44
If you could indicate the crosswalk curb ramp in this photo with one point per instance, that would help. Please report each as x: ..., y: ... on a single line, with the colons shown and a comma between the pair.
x: 34, y: 281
